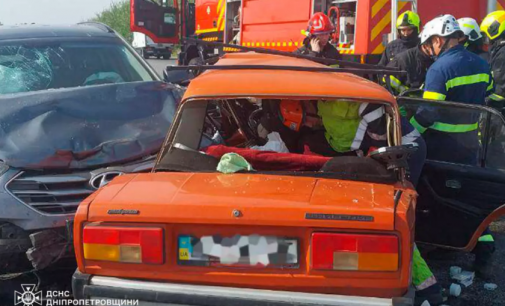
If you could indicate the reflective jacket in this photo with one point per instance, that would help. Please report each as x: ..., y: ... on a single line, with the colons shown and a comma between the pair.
x: 352, y: 126
x: 458, y: 76
x: 497, y: 62
x: 396, y: 47
x: 416, y: 64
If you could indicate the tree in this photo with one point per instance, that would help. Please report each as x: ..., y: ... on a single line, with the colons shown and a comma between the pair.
x: 117, y: 16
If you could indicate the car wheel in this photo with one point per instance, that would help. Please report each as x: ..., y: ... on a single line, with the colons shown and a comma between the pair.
x: 166, y: 56
x: 158, y: 56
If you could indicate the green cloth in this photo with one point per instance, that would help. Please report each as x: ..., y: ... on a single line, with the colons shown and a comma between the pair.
x: 232, y: 162
x: 341, y: 121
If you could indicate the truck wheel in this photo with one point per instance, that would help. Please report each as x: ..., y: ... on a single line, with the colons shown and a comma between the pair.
x: 197, y: 61
x: 144, y: 54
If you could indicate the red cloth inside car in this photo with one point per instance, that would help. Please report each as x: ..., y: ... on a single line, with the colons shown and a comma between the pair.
x: 273, y: 161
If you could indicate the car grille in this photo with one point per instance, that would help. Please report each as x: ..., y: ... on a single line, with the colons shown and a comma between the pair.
x: 51, y: 193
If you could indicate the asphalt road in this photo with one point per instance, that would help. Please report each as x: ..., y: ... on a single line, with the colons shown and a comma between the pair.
x: 160, y: 64
x: 475, y: 294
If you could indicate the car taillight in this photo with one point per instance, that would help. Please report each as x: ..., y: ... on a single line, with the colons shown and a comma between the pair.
x: 123, y: 244
x: 354, y: 252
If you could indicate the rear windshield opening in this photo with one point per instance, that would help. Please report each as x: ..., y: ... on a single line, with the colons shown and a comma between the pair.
x: 288, y: 137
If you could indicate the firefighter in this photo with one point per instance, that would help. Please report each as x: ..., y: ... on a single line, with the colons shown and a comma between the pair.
x: 448, y: 79
x: 453, y: 137
x: 416, y: 62
x: 473, y: 39
x: 408, y: 25
x: 317, y: 43
x: 494, y: 28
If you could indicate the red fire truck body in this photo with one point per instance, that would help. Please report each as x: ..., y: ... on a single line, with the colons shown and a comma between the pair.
x: 364, y: 26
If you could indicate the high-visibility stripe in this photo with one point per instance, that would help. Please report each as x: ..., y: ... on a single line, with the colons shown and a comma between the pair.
x: 220, y: 21
x: 376, y: 114
x: 496, y: 97
x: 411, y: 137
x: 465, y: 25
x: 360, y: 134
x: 417, y: 125
x: 379, y: 49
x: 385, y: 21
x: 467, y: 80
x: 433, y: 95
x: 397, y: 84
x: 381, y: 25
x: 491, y: 86
x: 378, y: 6
x: 206, y: 31
x: 220, y: 5
x: 454, y: 128
x: 272, y: 44
x: 486, y: 238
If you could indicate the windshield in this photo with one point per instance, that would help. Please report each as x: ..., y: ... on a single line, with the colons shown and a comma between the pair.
x: 294, y: 137
x: 38, y: 66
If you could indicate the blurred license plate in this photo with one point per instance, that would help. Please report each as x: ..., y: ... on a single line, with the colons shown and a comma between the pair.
x: 238, y: 251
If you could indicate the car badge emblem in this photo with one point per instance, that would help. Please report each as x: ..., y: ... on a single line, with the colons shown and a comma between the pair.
x: 102, y: 179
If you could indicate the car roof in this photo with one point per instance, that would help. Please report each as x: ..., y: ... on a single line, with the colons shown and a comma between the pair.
x: 275, y: 83
x: 43, y: 31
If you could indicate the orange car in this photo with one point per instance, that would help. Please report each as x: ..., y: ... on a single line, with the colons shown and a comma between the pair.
x: 296, y: 228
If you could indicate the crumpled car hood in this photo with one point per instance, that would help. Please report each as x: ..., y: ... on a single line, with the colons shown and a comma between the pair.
x: 85, y: 127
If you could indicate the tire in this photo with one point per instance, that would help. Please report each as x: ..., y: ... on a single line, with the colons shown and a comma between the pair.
x: 144, y: 54
x: 158, y: 56
x: 166, y: 56
x: 196, y: 61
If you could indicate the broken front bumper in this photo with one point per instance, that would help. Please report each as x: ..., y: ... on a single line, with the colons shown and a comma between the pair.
x: 146, y: 292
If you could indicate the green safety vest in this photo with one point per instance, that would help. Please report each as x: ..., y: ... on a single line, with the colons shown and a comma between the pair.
x: 341, y: 120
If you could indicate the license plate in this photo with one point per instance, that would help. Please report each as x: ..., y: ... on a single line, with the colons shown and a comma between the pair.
x: 238, y: 251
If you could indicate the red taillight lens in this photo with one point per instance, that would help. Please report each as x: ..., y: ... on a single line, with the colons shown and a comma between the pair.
x: 354, y: 252
x: 123, y: 244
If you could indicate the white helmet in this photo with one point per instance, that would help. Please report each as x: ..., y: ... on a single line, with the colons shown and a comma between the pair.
x: 471, y: 28
x: 441, y: 26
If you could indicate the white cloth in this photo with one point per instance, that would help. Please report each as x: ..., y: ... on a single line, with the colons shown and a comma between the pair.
x: 274, y: 143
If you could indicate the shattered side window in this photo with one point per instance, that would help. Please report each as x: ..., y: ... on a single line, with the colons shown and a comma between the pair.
x: 26, y: 68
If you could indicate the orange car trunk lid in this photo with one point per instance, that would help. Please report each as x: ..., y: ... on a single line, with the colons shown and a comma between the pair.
x: 245, y: 199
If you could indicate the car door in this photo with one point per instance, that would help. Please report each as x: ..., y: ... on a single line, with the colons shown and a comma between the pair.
x: 456, y: 196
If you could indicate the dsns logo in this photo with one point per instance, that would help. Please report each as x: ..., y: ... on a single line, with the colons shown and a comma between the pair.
x: 28, y: 297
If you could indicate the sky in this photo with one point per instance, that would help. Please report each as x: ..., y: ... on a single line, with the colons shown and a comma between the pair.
x: 50, y: 11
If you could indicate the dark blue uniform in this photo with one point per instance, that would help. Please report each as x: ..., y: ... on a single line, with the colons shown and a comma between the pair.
x: 458, y: 76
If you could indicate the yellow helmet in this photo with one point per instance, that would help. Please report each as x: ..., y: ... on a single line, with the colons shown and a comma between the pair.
x: 408, y: 19
x: 494, y: 24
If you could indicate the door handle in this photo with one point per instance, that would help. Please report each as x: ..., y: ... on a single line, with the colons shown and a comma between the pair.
x: 454, y: 184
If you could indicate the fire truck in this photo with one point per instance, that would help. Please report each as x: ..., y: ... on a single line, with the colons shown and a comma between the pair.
x: 364, y: 27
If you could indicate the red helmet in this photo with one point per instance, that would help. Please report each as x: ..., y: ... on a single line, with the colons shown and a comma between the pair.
x: 319, y: 24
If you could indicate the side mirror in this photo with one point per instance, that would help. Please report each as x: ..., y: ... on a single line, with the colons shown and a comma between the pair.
x: 179, y: 77
x: 395, y: 157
